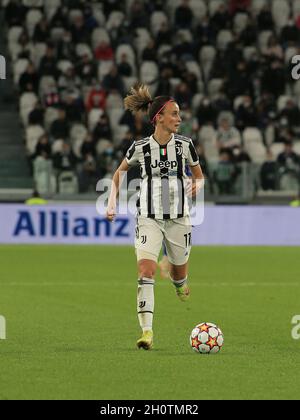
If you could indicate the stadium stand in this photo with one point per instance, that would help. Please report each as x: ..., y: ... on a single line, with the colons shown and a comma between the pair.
x: 227, y: 63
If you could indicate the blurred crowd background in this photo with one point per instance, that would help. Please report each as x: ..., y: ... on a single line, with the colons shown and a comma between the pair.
x: 228, y: 64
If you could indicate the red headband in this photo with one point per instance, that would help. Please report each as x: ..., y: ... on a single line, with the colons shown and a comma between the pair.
x: 154, y: 118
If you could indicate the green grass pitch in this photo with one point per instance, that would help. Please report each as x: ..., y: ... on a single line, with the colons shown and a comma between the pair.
x: 72, y: 325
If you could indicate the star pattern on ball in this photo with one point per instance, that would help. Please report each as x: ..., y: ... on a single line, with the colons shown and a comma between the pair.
x: 203, y: 328
x: 195, y: 342
x: 212, y: 342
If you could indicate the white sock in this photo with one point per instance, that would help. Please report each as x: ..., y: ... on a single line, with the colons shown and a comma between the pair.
x: 179, y: 283
x: 145, y: 303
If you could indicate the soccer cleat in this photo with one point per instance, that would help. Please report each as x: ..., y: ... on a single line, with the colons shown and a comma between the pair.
x: 146, y: 341
x: 183, y: 292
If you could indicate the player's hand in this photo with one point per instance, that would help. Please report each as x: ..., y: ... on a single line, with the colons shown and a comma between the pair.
x: 193, y: 187
x: 111, y: 213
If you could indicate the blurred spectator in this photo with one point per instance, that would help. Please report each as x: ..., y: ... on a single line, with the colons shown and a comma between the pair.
x: 238, y: 6
x: 184, y: 15
x: 164, y: 35
x: 206, y: 113
x: 88, y: 174
x: 274, y: 50
x: 124, y: 67
x: 69, y: 81
x: 246, y: 115
x: 35, y: 199
x: 292, y: 113
x: 88, y: 147
x: 60, y: 127
x: 15, y: 13
x: 265, y: 19
x: 225, y: 174
x: 43, y: 146
x: 150, y: 52
x: 288, y: 160
x: 227, y: 136
x: 86, y: 70
x: 41, y: 31
x: 138, y: 15
x: 102, y: 129
x: 104, y: 52
x: 74, y: 106
x: 268, y: 173
x: 221, y: 19
x: 80, y: 33
x: 273, y: 79
x: 65, y: 160
x: 189, y: 125
x: 48, y: 63
x: 204, y: 33
x: 113, y: 81
x: 36, y: 116
x: 290, y: 33
x: 183, y: 95
x: 125, y: 144
x: 65, y: 48
x: 96, y: 98
x: 29, y: 80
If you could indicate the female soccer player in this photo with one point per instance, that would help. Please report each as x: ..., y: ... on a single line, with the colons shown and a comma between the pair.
x: 162, y: 207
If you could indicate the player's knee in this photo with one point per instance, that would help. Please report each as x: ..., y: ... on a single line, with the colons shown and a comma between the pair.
x: 147, y: 269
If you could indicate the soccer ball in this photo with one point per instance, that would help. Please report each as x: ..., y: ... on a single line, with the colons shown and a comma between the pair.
x: 206, y: 338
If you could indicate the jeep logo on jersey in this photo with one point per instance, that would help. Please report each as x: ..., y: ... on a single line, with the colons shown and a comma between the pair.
x: 2, y: 68
x: 165, y: 165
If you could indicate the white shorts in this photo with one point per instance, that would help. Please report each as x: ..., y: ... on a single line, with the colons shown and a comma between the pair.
x: 177, y: 234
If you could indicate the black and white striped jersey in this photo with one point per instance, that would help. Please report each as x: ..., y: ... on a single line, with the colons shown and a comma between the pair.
x: 162, y: 193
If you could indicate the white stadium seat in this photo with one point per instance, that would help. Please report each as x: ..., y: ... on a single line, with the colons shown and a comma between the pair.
x: 223, y: 39
x: 207, y: 136
x: 281, y: 12
x: 99, y: 35
x: 257, y: 5
x: 51, y: 114
x: 276, y: 149
x: 296, y: 8
x: 148, y: 72
x: 83, y: 49
x: 32, y: 135
x: 93, y: 117
x: 32, y: 18
x: 27, y: 103
x: 78, y: 132
x: 213, y: 6
x: 157, y: 19
x: 214, y: 86
x: 240, y: 22
x: 253, y: 143
x: 19, y: 68
x: 281, y: 102
x: 114, y: 20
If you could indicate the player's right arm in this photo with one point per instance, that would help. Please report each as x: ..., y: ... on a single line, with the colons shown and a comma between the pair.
x: 116, y: 182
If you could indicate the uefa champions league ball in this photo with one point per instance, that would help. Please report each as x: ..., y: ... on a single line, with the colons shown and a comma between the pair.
x: 206, y: 338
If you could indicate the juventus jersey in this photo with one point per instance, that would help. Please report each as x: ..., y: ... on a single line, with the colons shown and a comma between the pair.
x: 162, y: 193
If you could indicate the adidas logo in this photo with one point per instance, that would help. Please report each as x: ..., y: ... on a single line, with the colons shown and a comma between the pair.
x: 147, y: 154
